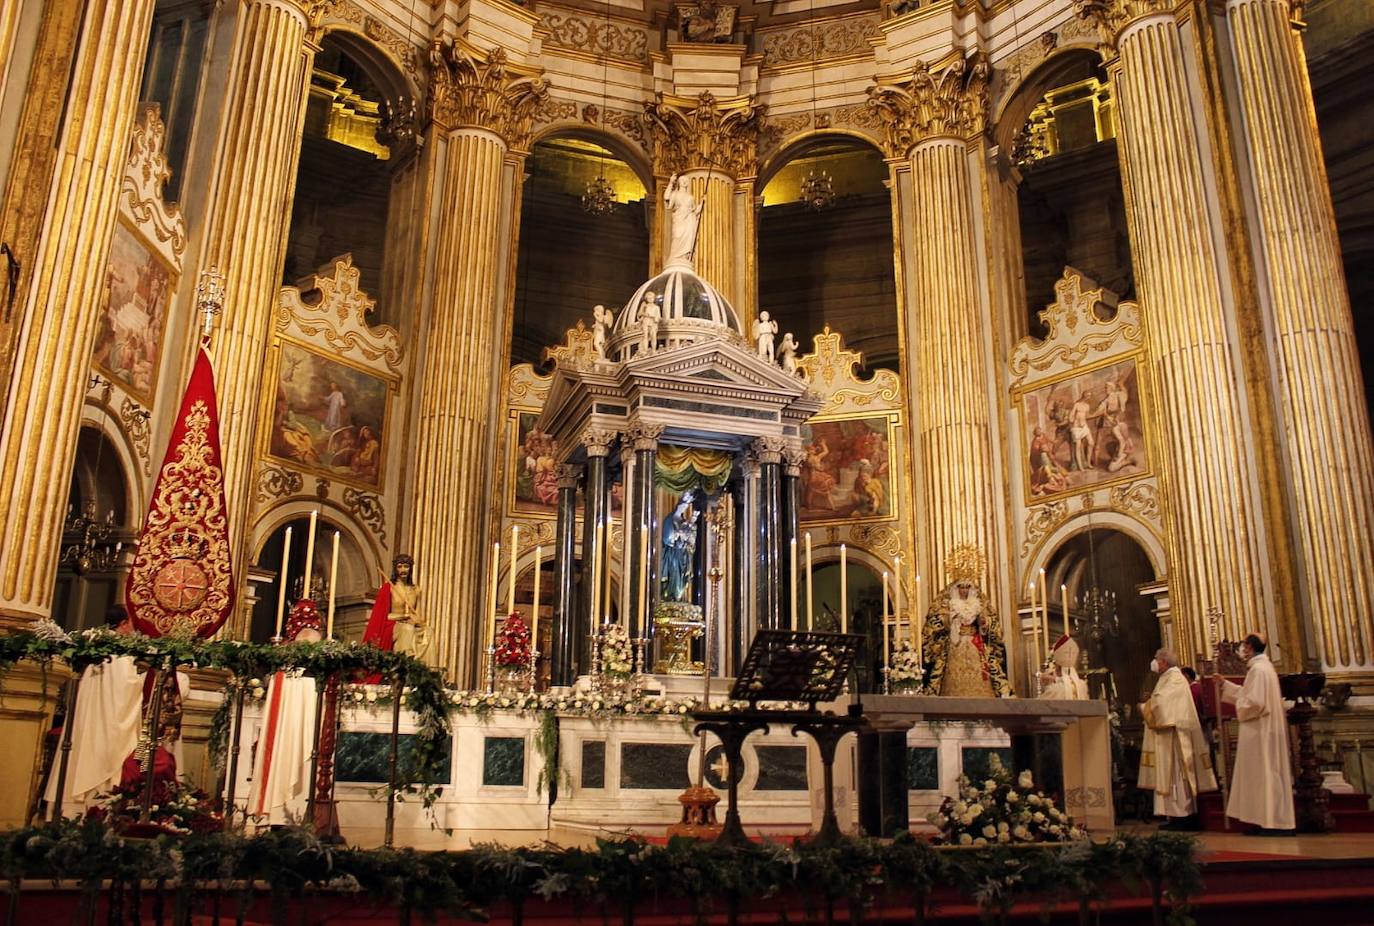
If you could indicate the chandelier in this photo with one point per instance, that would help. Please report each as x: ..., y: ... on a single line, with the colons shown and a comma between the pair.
x: 599, y: 198
x: 1099, y: 614
x: 88, y: 548
x: 818, y: 190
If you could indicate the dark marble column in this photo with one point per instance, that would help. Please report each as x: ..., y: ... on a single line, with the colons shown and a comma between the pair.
x: 791, y: 532
x: 596, y: 498
x: 640, y: 492
x: 564, y: 577
x: 741, y: 617
x: 883, y: 809
x: 769, y: 533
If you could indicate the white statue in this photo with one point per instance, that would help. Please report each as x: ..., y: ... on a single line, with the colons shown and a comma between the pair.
x: 602, y: 318
x: 764, y: 331
x: 649, y: 316
x: 686, y: 214
x: 788, y: 352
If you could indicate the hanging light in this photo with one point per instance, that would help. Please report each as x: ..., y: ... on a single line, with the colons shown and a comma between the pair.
x: 599, y: 198
x: 818, y: 190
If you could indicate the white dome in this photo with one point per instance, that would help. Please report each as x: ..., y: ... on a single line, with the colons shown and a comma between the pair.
x: 690, y: 310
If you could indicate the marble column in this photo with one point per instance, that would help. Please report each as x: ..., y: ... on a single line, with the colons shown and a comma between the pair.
x: 564, y: 577
x: 1326, y: 435
x: 932, y: 118
x: 768, y: 452
x: 59, y: 316
x: 644, y: 440
x: 481, y: 108
x: 1212, y: 514
x: 247, y: 221
x: 744, y: 566
x: 713, y: 144
x: 596, y: 508
x: 791, y: 534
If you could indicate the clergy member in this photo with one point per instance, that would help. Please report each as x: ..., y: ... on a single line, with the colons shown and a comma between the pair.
x: 1063, y: 683
x: 1174, y: 761
x: 281, y: 771
x: 1262, y: 786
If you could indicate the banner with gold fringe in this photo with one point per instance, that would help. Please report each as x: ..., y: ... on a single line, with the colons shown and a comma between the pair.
x: 182, y: 582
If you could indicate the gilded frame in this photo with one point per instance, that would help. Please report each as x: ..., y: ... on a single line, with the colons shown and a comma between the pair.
x: 150, y: 249
x: 893, y: 481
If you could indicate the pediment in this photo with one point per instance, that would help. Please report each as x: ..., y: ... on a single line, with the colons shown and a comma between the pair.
x: 719, y: 365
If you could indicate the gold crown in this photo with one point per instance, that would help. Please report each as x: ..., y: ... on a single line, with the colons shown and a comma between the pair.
x: 965, y: 563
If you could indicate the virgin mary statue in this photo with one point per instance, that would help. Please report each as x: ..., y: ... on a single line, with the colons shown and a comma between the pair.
x: 679, y: 548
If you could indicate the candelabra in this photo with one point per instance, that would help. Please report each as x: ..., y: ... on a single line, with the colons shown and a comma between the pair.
x: 818, y: 190
x: 88, y: 548
x: 1098, y: 608
x: 599, y: 197
x: 491, y: 669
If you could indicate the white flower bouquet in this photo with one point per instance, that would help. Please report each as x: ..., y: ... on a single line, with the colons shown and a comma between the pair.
x: 905, y: 671
x: 617, y: 655
x: 1002, y: 810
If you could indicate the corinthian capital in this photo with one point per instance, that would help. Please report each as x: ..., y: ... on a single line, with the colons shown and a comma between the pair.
x: 470, y: 88
x: 931, y: 102
x: 1111, y: 16
x: 705, y: 134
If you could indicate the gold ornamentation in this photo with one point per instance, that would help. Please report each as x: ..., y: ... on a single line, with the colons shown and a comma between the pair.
x: 278, y: 482
x: 406, y: 54
x: 1139, y: 498
x: 1112, y: 16
x: 145, y: 174
x: 1041, y: 521
x: 629, y: 124
x: 575, y: 352
x: 550, y: 110
x: 822, y: 41
x: 930, y: 103
x: 597, y: 37
x: 879, y: 539
x: 134, y: 418
x: 706, y: 134
x: 1087, y: 501
x: 966, y: 563
x: 832, y: 372
x: 368, y: 509
x: 1009, y: 73
x: 340, y: 314
x: 471, y: 88
x: 1075, y: 307
x: 321, y: 487
x: 777, y: 128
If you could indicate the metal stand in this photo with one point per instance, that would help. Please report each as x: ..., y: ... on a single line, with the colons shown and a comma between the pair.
x: 150, y: 753
x: 236, y: 731
x: 491, y: 669
x: 65, y: 753
x: 732, y: 730
x: 827, y: 730
x: 396, y: 691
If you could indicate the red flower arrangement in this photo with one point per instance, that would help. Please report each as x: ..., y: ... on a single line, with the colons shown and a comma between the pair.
x: 175, y: 808
x: 513, y: 643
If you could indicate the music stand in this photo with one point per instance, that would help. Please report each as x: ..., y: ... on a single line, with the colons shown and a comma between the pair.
x: 786, y: 666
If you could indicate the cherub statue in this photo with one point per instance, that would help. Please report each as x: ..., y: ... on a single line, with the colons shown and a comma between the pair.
x: 602, y: 318
x: 649, y: 317
x: 764, y: 332
x: 787, y: 351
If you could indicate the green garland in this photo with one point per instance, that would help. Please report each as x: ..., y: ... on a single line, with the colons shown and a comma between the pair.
x: 618, y: 874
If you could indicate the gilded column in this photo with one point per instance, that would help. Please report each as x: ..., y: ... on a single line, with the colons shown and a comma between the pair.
x: 596, y: 566
x: 1213, y: 537
x: 59, y: 315
x: 248, y: 218
x: 483, y: 106
x: 713, y: 144
x: 1320, y: 391
x: 931, y: 118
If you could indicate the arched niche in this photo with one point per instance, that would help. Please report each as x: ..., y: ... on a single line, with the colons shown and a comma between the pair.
x: 831, y: 265
x: 864, y: 594
x: 570, y: 259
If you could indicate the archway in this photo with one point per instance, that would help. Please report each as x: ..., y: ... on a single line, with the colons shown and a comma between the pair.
x: 830, y: 265
x: 97, y: 536
x: 572, y: 257
x: 864, y: 594
x: 357, y: 579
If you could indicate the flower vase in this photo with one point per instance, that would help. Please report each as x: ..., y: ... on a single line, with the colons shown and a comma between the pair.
x: 512, y: 679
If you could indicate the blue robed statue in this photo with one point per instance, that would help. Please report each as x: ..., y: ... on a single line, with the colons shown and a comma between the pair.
x: 679, y: 549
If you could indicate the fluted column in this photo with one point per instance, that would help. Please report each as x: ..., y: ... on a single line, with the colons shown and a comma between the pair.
x: 248, y: 218
x: 713, y: 144
x: 59, y: 316
x: 596, y: 509
x: 564, y: 577
x: 1212, y: 516
x: 1320, y: 391
x: 930, y: 118
x: 793, y: 458
x: 768, y: 452
x: 644, y: 517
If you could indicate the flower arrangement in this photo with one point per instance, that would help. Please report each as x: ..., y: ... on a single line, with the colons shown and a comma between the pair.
x: 617, y: 656
x: 1002, y: 811
x: 513, y: 643
x: 176, y: 807
x: 905, y: 671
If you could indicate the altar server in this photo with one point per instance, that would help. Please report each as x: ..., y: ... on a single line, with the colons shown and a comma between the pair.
x: 1174, y: 761
x: 1262, y: 786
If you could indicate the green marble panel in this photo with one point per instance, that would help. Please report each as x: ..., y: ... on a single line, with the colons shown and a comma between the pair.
x: 781, y: 768
x: 366, y: 757
x: 658, y: 766
x: 503, y: 761
x: 923, y: 768
x: 594, y: 764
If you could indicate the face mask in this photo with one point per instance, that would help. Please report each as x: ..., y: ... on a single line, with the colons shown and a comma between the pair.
x: 1154, y: 666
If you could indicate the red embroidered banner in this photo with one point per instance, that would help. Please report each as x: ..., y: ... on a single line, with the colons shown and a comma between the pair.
x: 182, y: 578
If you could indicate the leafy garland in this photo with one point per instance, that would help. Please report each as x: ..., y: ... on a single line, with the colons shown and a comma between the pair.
x: 617, y: 872
x: 424, y: 691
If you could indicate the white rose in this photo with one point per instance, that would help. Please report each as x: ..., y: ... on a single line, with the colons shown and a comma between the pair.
x: 965, y: 839
x: 960, y: 806
x: 1003, y: 837
x: 1033, y: 800
x: 1038, y: 817
x: 980, y: 841
x: 975, y: 809
x: 990, y: 785
x: 1021, y: 833
x: 1003, y: 827
x: 990, y: 831
x: 1025, y: 780
x: 966, y: 819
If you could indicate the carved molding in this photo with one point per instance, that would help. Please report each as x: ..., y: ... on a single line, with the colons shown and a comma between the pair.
x: 644, y: 436
x: 569, y: 474
x: 768, y: 449
x: 1076, y: 330
x: 576, y: 351
x: 933, y: 102
x: 1137, y: 498
x: 629, y: 124
x: 597, y: 36
x: 821, y: 41
x: 1041, y: 521
x: 778, y: 131
x: 551, y: 109
x: 472, y: 88
x: 321, y: 487
x: 598, y: 441
x: 831, y: 371
x: 1112, y: 16
x: 340, y: 315
x: 278, y: 482
x: 705, y: 134
x: 1076, y: 32
x: 145, y: 174
x: 135, y: 418
x: 368, y: 509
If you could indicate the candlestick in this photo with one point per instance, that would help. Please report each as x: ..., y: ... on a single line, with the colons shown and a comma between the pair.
x: 333, y: 577
x: 794, y: 581
x: 844, y: 589
x: 887, y: 644
x: 810, y: 606
x: 643, y: 578
x: 310, y: 553
x: 534, y: 608
x: 281, y: 580
x: 514, y: 564
x: 494, y: 601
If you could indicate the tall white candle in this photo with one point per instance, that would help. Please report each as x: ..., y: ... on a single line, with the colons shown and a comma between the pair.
x: 897, y: 591
x: 310, y: 553
x: 534, y: 608
x: 1063, y: 597
x: 844, y: 589
x: 920, y: 625
x: 333, y: 577
x: 887, y: 640
x: 514, y: 566
x: 281, y: 580
x: 1035, y: 623
x: 643, y: 579
x: 595, y: 577
x: 793, y: 573
x: 810, y: 591
x: 493, y: 600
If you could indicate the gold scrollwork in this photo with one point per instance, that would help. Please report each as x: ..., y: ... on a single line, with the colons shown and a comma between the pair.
x: 579, y: 33
x: 1076, y: 330
x: 1041, y: 521
x: 880, y: 539
x: 134, y: 418
x: 368, y: 509
x: 340, y: 315
x: 705, y: 133
x: 820, y: 41
x: 278, y: 482
x: 1138, y: 498
x: 830, y: 370
x: 930, y: 102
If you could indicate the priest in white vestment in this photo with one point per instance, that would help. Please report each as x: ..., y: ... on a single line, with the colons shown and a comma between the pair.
x: 281, y: 767
x: 1064, y: 683
x: 1262, y: 786
x: 1175, y: 762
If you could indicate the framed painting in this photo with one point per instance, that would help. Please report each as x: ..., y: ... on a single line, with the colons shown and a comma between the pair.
x: 534, y: 467
x: 328, y: 416
x: 1083, y: 430
x: 133, y: 315
x: 847, y: 473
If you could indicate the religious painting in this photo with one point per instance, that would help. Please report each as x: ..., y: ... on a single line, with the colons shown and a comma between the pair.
x: 133, y: 315
x: 847, y: 472
x: 1083, y: 430
x: 535, y: 470
x: 329, y: 416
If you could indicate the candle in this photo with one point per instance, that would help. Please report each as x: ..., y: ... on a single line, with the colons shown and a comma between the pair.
x: 794, y: 582
x: 920, y: 622
x: 281, y: 580
x: 333, y: 577
x: 309, y: 553
x: 1034, y: 622
x: 887, y: 645
x: 534, y: 608
x: 809, y: 591
x: 595, y: 577
x: 1063, y: 597
x: 897, y: 591
x: 514, y: 566
x: 1044, y: 599
x: 844, y: 589
x: 643, y: 578
x: 493, y: 601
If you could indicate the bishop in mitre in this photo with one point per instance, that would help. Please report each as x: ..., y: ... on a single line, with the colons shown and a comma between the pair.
x: 1062, y: 682
x: 281, y: 767
x: 965, y: 656
x: 1175, y: 762
x: 1262, y: 785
